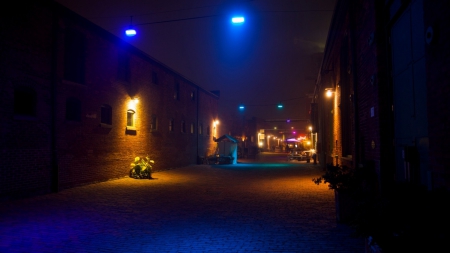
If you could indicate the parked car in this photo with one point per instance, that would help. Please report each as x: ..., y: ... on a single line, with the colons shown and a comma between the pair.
x: 295, y: 154
x: 300, y: 155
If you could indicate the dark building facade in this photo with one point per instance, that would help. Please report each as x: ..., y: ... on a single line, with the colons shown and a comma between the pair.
x: 78, y: 104
x: 385, y: 66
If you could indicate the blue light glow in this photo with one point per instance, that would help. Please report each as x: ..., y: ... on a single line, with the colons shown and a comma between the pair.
x: 237, y: 20
x: 241, y: 107
x: 130, y: 32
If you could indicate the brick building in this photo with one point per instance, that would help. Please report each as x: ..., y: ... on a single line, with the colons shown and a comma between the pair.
x: 385, y: 66
x: 78, y: 104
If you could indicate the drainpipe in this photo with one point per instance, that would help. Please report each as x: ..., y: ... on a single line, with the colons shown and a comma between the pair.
x: 198, y: 123
x: 355, y: 82
x: 54, y: 172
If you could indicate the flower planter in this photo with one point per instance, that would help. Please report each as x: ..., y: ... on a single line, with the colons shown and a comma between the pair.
x: 345, y: 206
x: 371, y: 246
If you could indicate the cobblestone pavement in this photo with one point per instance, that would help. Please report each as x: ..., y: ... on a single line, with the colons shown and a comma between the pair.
x: 252, y: 206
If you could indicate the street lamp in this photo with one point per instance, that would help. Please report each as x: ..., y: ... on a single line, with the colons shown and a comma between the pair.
x: 238, y: 20
x: 131, y: 31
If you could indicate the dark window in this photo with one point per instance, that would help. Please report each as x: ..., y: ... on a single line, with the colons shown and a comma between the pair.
x: 25, y: 101
x: 183, y: 126
x: 123, y: 70
x: 200, y: 129
x: 154, y: 77
x: 176, y: 94
x: 73, y: 109
x: 106, y: 114
x: 208, y: 131
x: 193, y: 95
x: 74, y: 56
x: 154, y: 122
x: 192, y: 128
x: 171, y: 128
x: 130, y: 118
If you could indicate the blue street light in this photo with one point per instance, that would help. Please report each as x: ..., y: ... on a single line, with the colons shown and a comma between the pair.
x: 238, y: 20
x: 280, y: 106
x: 130, y: 32
x: 241, y: 107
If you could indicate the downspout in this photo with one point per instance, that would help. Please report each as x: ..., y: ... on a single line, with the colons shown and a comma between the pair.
x: 54, y: 172
x: 198, y: 123
x: 355, y: 83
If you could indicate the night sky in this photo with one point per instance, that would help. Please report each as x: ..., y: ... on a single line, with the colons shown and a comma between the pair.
x: 267, y: 60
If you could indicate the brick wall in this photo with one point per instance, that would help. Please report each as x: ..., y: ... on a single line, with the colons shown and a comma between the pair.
x: 86, y: 150
x: 438, y: 88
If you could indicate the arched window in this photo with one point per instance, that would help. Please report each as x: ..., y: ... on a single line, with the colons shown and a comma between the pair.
x: 171, y: 127
x: 74, y: 56
x: 154, y: 123
x: 183, y: 126
x: 106, y: 114
x: 25, y: 101
x: 73, y: 109
x: 130, y: 119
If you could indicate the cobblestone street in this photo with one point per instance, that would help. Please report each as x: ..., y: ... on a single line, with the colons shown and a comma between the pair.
x: 253, y: 206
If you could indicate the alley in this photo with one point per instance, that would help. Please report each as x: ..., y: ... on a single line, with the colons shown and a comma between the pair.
x: 254, y: 206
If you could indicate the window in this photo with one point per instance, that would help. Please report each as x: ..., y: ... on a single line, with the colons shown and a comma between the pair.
x: 192, y: 128
x: 106, y: 115
x: 73, y: 109
x: 123, y: 70
x: 25, y: 101
x: 74, y: 56
x: 154, y: 77
x: 171, y: 129
x: 176, y: 94
x: 200, y: 128
x: 130, y: 119
x: 183, y: 126
x: 192, y: 95
x: 153, y: 124
x: 208, y: 131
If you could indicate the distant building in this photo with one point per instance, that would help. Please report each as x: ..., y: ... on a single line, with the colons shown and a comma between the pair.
x: 78, y: 104
x: 385, y: 66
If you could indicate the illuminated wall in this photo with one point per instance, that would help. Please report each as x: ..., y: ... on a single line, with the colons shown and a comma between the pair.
x: 87, y: 103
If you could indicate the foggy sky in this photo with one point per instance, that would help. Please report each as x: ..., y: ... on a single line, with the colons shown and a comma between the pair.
x: 265, y: 61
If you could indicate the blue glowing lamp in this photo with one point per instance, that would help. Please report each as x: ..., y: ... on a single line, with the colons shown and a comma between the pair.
x: 280, y: 106
x: 241, y: 107
x: 238, y: 20
x: 130, y: 32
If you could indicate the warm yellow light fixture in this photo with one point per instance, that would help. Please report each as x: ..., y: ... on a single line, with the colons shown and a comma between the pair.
x: 132, y: 103
x: 329, y: 92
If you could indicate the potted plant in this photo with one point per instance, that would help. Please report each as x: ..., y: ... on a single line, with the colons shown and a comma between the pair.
x: 141, y: 168
x: 404, y: 217
x: 351, y: 186
x: 342, y: 180
x: 407, y: 218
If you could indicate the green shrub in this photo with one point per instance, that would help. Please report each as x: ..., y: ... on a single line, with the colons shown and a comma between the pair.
x: 141, y: 168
